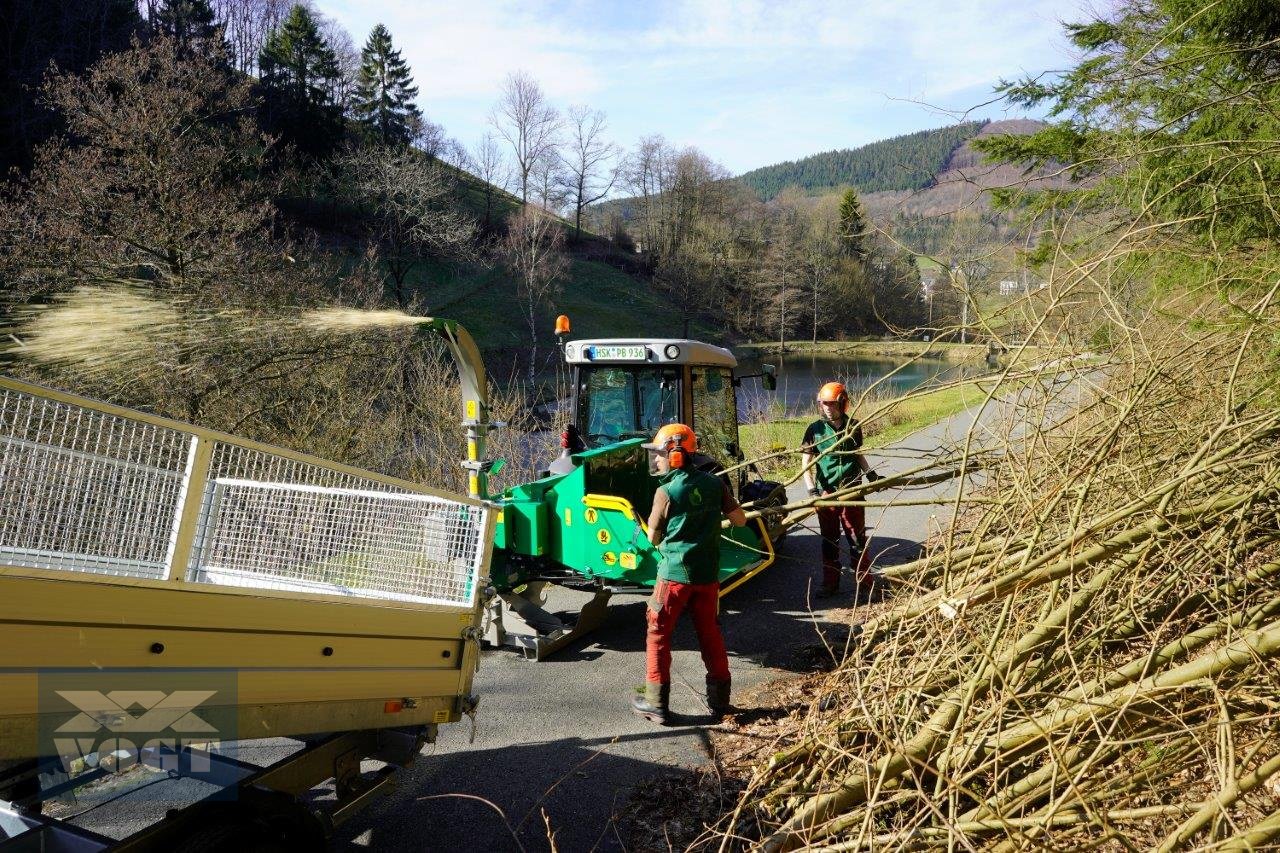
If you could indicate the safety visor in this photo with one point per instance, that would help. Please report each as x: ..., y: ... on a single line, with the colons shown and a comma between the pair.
x: 655, y: 451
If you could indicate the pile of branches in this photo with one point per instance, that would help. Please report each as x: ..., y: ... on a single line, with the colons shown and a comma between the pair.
x: 1089, y: 657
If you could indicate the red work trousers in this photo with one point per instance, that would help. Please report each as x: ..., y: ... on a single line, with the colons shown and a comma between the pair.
x: 852, y: 522
x: 669, y: 600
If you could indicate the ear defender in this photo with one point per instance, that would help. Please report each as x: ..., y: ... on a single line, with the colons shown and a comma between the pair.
x: 677, y: 441
x: 677, y: 457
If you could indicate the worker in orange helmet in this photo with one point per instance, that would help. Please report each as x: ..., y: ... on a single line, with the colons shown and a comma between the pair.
x: 684, y: 526
x: 832, y: 461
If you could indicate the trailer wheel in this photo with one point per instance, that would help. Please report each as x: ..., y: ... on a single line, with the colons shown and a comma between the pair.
x: 18, y: 780
x: 243, y: 836
x: 262, y: 822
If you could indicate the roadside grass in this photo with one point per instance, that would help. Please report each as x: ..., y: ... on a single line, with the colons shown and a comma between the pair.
x: 773, y: 432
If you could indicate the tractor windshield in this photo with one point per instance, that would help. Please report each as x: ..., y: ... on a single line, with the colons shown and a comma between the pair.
x: 625, y: 402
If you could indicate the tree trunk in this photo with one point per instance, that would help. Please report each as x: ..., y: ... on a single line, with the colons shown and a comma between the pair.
x: 782, y: 327
x: 532, y: 319
x: 815, y: 314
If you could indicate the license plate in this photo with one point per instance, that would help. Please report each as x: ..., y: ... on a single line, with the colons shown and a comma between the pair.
x: 616, y: 353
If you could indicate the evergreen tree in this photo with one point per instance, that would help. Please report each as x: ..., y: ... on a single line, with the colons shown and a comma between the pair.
x: 190, y: 23
x: 853, y: 224
x: 1145, y: 118
x: 385, y: 91
x: 298, y: 74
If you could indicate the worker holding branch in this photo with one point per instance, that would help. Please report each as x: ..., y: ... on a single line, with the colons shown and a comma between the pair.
x: 832, y: 461
x: 684, y: 526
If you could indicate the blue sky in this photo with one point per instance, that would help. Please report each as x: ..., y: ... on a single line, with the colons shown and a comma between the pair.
x: 747, y: 81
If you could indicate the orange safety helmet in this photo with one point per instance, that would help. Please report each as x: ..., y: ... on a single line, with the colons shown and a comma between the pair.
x: 678, y: 439
x: 833, y: 392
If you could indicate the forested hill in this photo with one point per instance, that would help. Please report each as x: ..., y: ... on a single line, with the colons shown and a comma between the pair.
x: 907, y: 162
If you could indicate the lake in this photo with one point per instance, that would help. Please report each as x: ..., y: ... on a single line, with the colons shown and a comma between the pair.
x: 800, y: 375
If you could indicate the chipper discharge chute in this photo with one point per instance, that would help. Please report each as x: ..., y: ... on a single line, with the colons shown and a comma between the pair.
x: 583, y: 524
x: 165, y: 589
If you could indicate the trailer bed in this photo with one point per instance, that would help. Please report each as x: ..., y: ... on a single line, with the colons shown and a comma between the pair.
x: 165, y: 588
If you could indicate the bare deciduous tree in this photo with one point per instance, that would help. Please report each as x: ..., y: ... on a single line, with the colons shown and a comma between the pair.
x: 409, y: 202
x: 143, y: 187
x: 427, y: 136
x: 533, y: 250
x: 547, y: 184
x: 246, y: 24
x: 590, y: 161
x: 348, y: 56
x: 456, y: 155
x: 528, y: 123
x: 488, y: 165
x: 643, y: 172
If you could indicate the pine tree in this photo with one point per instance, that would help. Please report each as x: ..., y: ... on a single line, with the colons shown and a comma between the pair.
x: 190, y: 23
x: 853, y: 224
x: 299, y: 72
x: 385, y: 91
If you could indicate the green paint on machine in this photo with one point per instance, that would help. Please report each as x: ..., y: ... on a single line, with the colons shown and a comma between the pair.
x: 537, y: 521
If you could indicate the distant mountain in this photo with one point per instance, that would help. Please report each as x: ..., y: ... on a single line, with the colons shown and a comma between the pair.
x: 902, y: 163
x: 962, y: 179
x: 925, y: 219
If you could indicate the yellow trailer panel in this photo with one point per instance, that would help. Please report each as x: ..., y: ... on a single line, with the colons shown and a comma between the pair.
x: 315, y: 597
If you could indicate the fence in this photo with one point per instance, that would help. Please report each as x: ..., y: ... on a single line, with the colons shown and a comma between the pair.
x: 91, y: 488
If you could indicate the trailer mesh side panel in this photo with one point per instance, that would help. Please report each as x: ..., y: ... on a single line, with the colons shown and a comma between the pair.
x: 86, y: 491
x: 351, y: 542
x: 233, y: 462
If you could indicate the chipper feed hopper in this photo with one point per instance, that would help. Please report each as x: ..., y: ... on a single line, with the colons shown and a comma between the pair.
x: 583, y: 524
x: 165, y: 589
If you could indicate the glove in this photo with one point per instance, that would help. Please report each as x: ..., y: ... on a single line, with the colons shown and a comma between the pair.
x: 872, y: 476
x: 815, y: 492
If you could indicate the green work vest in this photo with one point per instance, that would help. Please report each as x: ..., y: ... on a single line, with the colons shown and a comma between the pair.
x: 839, y: 467
x: 691, y: 546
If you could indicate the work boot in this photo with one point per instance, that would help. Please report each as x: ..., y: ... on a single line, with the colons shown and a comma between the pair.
x: 653, y: 703
x: 718, y: 696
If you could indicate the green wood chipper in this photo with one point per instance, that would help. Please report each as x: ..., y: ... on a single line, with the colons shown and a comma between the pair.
x: 582, y: 525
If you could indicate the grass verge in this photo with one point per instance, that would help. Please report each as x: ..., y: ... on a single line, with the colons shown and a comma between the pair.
x: 774, y: 434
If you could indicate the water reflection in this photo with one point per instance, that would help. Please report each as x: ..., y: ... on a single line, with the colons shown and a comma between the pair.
x: 801, y: 375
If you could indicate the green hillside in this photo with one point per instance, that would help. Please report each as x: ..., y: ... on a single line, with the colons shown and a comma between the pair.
x: 601, y: 301
x: 902, y: 163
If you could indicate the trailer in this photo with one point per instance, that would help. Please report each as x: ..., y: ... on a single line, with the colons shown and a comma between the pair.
x: 166, y: 590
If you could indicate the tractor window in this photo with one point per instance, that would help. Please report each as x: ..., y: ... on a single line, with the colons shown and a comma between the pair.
x: 617, y: 402
x: 715, y: 415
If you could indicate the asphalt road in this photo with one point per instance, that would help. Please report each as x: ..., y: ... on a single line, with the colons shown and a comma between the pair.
x: 556, y: 736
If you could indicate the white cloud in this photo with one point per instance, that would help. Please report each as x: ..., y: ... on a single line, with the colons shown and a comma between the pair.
x: 749, y: 81
x: 465, y: 50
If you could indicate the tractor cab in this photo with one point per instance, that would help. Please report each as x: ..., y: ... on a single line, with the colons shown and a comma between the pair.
x: 627, y: 388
